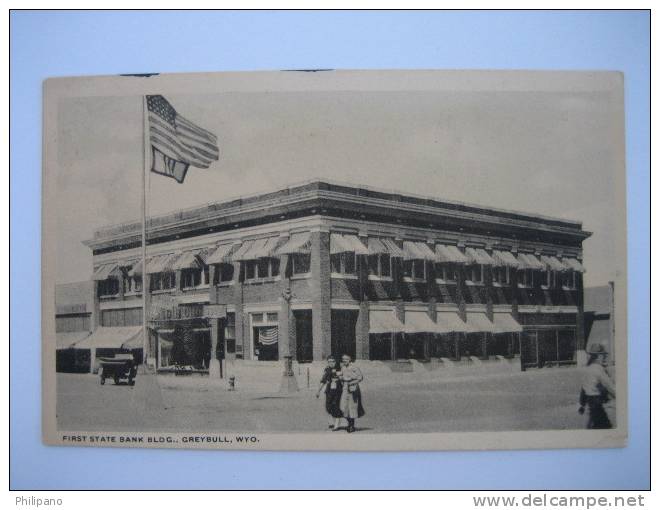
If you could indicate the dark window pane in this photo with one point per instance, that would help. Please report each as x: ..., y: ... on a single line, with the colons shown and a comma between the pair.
x: 335, y: 263
x: 385, y: 268
x: 349, y: 263
x: 274, y: 267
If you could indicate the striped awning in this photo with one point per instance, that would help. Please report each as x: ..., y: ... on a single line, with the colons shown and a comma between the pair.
x: 450, y: 322
x: 105, y: 271
x: 383, y: 246
x: 299, y: 243
x: 194, y: 259
x: 449, y: 253
x: 222, y: 253
x: 126, y: 337
x: 478, y: 322
x: 479, y: 256
x: 417, y: 250
x: 342, y: 243
x: 505, y: 259
x: 239, y: 253
x: 69, y: 339
x: 419, y: 322
x: 574, y: 264
x: 553, y: 263
x: 136, y: 270
x: 505, y: 323
x: 529, y: 261
x: 384, y: 321
x: 162, y: 263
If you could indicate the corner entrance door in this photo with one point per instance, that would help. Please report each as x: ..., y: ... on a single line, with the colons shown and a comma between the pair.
x: 342, y: 328
x: 304, y: 344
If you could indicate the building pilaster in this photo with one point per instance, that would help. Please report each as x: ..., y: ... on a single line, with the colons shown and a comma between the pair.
x: 321, y: 294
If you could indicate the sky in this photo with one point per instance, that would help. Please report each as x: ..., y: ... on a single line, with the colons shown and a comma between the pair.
x: 548, y: 153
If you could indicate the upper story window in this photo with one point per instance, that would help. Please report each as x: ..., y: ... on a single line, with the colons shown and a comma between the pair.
x: 414, y: 269
x: 224, y: 274
x: 380, y: 266
x: 300, y: 263
x: 526, y: 278
x: 552, y: 279
x: 162, y: 282
x: 446, y: 272
x: 194, y: 277
x: 132, y: 284
x: 261, y: 269
x: 569, y: 280
x: 343, y: 263
x: 474, y: 274
x: 501, y: 276
x: 108, y: 287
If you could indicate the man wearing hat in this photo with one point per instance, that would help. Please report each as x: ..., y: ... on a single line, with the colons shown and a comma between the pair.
x: 597, y: 388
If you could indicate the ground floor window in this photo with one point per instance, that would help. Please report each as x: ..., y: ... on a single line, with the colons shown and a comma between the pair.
x: 543, y: 347
x: 380, y: 346
x: 265, y: 342
x: 184, y: 346
x: 304, y: 335
x: 411, y: 346
x: 342, y: 332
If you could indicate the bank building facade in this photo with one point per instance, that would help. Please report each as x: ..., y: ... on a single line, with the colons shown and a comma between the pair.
x: 322, y: 268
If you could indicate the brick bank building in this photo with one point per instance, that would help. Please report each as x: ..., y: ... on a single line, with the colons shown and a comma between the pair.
x: 322, y: 268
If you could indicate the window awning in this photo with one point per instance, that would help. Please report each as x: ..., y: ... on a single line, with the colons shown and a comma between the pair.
x: 137, y: 268
x: 529, y: 261
x: 553, y: 263
x: 239, y: 253
x: 342, y: 243
x: 505, y: 259
x: 479, y: 256
x: 574, y: 264
x: 69, y: 339
x: 505, y: 323
x: 299, y: 243
x: 449, y: 253
x: 417, y: 250
x: 222, y: 253
x: 376, y: 246
x: 194, y: 259
x: 127, y: 337
x: 384, y: 321
x: 162, y: 263
x: 392, y: 247
x: 478, y: 322
x: 105, y: 271
x: 450, y: 322
x: 419, y: 322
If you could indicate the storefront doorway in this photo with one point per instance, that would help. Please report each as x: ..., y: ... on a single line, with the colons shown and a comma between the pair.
x: 342, y: 330
x: 304, y: 335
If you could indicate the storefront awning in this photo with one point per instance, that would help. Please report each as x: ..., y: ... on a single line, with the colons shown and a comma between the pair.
x: 478, y: 322
x: 222, y: 253
x: 162, y: 263
x: 449, y: 253
x: 553, y: 263
x: 505, y: 259
x: 298, y: 243
x: 384, y: 321
x: 417, y: 250
x: 69, y: 339
x: 529, y: 261
x: 127, y: 337
x: 574, y: 264
x: 194, y: 259
x: 105, y: 271
x: 450, y: 322
x: 479, y: 256
x: 505, y: 323
x: 342, y: 243
x: 392, y: 248
x: 419, y: 322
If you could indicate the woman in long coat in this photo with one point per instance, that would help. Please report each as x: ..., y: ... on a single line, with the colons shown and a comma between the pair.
x: 333, y: 385
x: 351, y: 397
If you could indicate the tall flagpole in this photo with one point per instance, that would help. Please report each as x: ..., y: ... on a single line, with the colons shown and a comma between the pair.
x: 145, y: 168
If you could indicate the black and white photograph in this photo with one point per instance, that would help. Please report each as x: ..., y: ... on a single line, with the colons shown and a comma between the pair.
x: 335, y: 260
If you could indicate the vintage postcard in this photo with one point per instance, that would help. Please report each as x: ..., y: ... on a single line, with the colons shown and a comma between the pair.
x: 335, y: 260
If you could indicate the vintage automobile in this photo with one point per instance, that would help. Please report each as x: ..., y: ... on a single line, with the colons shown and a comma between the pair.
x: 121, y: 366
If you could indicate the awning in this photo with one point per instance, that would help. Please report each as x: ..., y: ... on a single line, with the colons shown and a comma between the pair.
x: 419, y: 322
x: 376, y: 246
x: 137, y: 268
x: 222, y: 254
x: 105, y: 271
x: 416, y: 250
x: 392, y: 247
x: 69, y: 339
x: 195, y: 259
x: 450, y: 322
x: 342, y: 243
x: 449, y: 253
x: 239, y: 253
x: 479, y: 256
x: 529, y: 261
x: 162, y: 263
x: 383, y: 321
x: 574, y: 264
x: 601, y: 332
x: 127, y: 337
x: 505, y: 323
x: 300, y: 243
x: 505, y: 258
x: 478, y: 322
x: 553, y: 263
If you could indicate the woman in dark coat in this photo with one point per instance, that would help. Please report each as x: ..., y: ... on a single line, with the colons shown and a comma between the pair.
x: 331, y: 379
x: 351, y: 397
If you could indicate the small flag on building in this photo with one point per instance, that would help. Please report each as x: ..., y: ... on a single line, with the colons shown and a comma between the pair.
x: 177, y: 143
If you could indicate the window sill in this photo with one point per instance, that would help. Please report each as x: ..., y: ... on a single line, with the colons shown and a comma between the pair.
x: 342, y: 276
x: 256, y: 281
x: 445, y: 282
x: 132, y: 294
x: 301, y: 276
x: 409, y: 279
x: 521, y: 286
x: 225, y: 284
x: 568, y: 288
x: 109, y: 296
x: 192, y: 289
x: 376, y: 278
x: 162, y: 291
x: 474, y: 284
x: 500, y: 285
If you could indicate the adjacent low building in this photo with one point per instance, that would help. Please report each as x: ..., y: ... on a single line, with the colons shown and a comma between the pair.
x: 320, y: 268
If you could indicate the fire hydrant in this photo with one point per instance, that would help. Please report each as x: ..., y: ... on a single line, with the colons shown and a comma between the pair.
x: 232, y: 383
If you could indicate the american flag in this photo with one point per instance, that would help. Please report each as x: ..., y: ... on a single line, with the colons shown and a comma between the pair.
x: 177, y: 143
